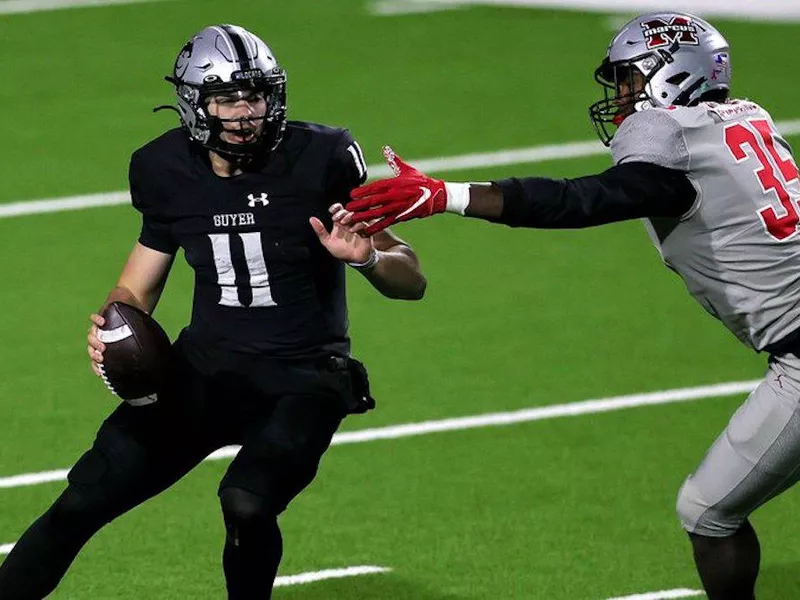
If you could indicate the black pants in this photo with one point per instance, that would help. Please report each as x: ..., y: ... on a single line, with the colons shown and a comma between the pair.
x: 284, y: 415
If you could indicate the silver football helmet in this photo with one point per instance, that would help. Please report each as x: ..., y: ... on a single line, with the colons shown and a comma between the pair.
x: 659, y: 60
x: 224, y: 60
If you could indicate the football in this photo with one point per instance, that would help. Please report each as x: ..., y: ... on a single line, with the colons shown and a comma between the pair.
x: 138, y: 356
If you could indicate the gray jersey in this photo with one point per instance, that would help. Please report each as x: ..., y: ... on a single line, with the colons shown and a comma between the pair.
x: 737, y: 249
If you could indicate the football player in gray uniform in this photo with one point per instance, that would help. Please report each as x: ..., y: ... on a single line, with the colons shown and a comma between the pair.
x: 718, y: 190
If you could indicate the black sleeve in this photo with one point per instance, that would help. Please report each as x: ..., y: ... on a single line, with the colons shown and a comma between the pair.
x: 346, y: 169
x: 155, y: 231
x: 628, y: 191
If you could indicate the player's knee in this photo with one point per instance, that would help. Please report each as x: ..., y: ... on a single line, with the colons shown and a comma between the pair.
x: 248, y: 516
x: 82, y: 500
x: 243, y: 507
x: 699, y: 516
x: 77, y: 509
x: 91, y: 498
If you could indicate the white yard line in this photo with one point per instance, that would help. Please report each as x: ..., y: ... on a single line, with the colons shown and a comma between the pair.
x: 33, y: 478
x: 299, y: 578
x: 37, y: 207
x: 313, y: 576
x: 540, y: 413
x: 17, y: 7
x: 663, y: 595
x: 768, y: 10
x: 500, y: 158
x: 387, y: 8
x: 460, y: 162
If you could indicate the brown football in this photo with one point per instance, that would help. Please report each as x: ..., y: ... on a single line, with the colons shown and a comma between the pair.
x: 138, y: 356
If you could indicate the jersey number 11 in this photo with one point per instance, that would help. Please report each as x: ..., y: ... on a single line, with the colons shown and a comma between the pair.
x: 258, y: 277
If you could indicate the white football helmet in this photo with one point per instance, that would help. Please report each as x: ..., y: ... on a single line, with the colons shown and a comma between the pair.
x: 678, y: 59
x: 222, y: 59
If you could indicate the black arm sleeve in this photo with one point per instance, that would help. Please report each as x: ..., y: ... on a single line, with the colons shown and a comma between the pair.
x: 155, y: 231
x: 628, y: 191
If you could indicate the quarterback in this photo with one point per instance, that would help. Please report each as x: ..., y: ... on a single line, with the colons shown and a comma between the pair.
x: 717, y: 188
x: 254, y: 201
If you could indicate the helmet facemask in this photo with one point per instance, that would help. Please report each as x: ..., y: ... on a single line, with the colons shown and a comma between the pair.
x: 263, y: 121
x: 627, y: 87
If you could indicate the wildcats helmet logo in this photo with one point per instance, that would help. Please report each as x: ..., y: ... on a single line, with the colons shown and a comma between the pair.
x: 659, y: 33
x: 182, y: 62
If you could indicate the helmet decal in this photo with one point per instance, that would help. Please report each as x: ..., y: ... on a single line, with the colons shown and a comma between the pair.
x: 660, y: 33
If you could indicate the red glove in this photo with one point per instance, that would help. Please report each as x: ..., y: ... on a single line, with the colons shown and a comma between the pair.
x: 410, y: 194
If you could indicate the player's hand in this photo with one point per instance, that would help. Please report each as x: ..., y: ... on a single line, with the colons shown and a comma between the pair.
x: 95, y: 347
x: 410, y: 194
x: 343, y: 240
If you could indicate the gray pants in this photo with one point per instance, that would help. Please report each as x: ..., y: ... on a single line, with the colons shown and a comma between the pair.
x: 755, y: 458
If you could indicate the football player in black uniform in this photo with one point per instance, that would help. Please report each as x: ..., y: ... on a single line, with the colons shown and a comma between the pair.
x: 254, y: 200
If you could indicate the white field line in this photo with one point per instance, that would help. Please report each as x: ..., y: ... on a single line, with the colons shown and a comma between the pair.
x: 16, y: 7
x: 313, y: 576
x: 769, y: 10
x: 663, y: 595
x: 310, y: 577
x: 37, y: 207
x: 540, y: 413
x: 386, y: 8
x: 500, y: 158
x: 300, y: 578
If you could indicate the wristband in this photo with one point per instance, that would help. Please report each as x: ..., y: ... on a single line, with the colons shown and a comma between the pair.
x: 368, y: 264
x: 457, y: 197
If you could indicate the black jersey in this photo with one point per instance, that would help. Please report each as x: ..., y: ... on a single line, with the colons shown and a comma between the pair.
x: 263, y: 282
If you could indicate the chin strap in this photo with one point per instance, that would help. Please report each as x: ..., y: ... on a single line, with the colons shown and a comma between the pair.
x: 166, y: 107
x: 229, y: 155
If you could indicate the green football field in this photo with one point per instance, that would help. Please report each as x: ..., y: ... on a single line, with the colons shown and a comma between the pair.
x: 572, y: 508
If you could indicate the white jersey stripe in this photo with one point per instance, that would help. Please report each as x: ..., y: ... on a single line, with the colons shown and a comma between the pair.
x: 362, y: 169
x: 361, y: 156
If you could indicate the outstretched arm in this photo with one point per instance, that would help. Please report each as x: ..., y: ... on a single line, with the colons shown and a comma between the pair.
x: 627, y: 191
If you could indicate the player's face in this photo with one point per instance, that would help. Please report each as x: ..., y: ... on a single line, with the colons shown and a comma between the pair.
x: 630, y: 84
x: 242, y: 114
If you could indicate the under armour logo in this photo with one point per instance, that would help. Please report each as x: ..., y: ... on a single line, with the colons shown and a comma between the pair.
x: 263, y: 199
